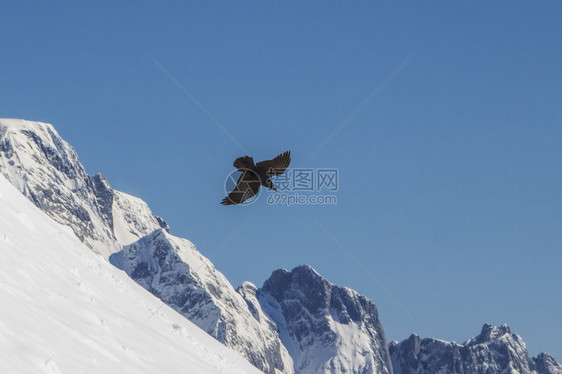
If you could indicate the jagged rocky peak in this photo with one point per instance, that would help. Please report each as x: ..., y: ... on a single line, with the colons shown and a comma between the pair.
x: 303, y: 279
x: 326, y: 328
x: 490, y: 333
x: 36, y: 147
x: 173, y: 270
x: 495, y: 350
x: 546, y: 364
x: 318, y: 295
x: 46, y: 169
x: 411, y: 348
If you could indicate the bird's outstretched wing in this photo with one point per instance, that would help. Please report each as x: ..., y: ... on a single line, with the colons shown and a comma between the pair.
x: 277, y: 166
x: 248, y: 185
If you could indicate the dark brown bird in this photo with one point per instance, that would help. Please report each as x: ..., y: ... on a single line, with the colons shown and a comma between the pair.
x: 255, y: 175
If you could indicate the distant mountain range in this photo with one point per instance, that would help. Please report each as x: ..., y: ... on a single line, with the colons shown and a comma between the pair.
x: 495, y: 350
x: 297, y: 322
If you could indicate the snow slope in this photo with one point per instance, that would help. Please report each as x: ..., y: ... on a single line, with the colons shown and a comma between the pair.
x: 65, y: 309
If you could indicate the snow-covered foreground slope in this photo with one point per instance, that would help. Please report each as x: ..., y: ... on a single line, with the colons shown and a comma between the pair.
x: 65, y: 309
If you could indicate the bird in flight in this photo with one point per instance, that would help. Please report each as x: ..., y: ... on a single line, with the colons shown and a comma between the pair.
x: 255, y: 175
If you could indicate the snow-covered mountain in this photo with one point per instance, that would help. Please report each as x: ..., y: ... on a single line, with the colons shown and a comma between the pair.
x: 173, y: 270
x: 297, y: 322
x: 45, y: 168
x: 326, y: 328
x: 496, y: 350
x: 65, y: 309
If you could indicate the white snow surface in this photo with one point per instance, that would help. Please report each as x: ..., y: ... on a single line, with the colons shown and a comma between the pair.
x: 65, y: 309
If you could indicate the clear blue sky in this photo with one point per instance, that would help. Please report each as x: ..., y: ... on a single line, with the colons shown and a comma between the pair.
x: 449, y: 177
